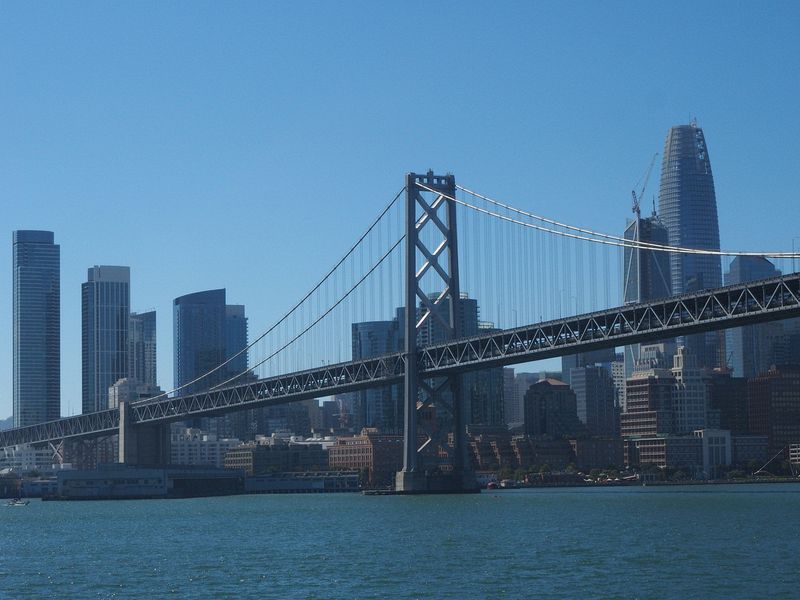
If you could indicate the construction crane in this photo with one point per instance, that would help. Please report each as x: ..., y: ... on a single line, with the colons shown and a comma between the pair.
x: 645, y: 178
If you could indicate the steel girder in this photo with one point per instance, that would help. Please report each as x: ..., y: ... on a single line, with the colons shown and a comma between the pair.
x: 721, y: 308
x: 89, y: 425
x: 332, y: 379
x: 732, y: 306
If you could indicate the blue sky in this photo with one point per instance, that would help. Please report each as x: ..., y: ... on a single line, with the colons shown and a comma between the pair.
x: 242, y: 145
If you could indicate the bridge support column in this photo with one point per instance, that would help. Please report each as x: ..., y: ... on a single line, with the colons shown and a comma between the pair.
x: 141, y: 445
x: 428, y: 203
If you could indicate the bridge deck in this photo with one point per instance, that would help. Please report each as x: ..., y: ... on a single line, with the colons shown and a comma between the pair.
x: 721, y: 308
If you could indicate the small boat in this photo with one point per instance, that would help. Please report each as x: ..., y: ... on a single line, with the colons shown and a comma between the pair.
x: 17, y: 502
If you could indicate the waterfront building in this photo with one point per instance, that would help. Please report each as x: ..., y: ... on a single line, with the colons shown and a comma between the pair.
x: 36, y: 325
x: 773, y: 401
x: 716, y: 450
x: 105, y: 311
x: 379, y: 455
x: 646, y: 273
x: 666, y: 451
x: 278, y: 456
x: 750, y: 450
x: 598, y: 453
x: 688, y: 209
x: 753, y: 349
x: 142, y: 365
x: 190, y: 446
x: 25, y: 457
x: 594, y: 395
x: 551, y: 409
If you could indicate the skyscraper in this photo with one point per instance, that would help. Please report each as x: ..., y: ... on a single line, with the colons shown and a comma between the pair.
x: 377, y: 407
x: 37, y: 327
x: 753, y: 348
x: 199, y: 339
x: 142, y: 348
x: 207, y: 332
x: 105, y: 311
x: 688, y: 209
x: 646, y: 272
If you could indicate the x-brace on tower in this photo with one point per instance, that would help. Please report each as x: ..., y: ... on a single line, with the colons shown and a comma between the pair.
x: 432, y: 256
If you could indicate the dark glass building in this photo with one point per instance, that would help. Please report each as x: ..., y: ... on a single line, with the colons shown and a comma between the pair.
x: 377, y: 407
x: 207, y: 332
x: 37, y: 327
x: 199, y: 338
x: 142, y: 348
x: 688, y: 209
x: 646, y: 273
x: 754, y: 348
x: 105, y: 313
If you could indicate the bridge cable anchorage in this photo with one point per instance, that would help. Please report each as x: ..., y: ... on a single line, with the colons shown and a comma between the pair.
x: 286, y: 316
x: 592, y: 236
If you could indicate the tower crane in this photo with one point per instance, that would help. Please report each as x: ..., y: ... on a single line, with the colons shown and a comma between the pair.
x: 645, y: 178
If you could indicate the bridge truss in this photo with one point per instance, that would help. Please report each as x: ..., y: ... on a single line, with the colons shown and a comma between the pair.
x: 732, y: 306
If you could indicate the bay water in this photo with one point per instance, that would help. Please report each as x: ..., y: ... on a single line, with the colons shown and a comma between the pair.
x: 737, y: 541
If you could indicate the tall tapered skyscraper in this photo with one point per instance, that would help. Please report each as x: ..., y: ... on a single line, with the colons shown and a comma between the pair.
x: 688, y: 209
x: 37, y: 327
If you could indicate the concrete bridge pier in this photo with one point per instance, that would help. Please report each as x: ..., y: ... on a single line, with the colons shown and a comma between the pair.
x: 142, y: 445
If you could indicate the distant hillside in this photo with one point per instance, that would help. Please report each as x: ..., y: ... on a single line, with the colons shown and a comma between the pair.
x: 6, y: 423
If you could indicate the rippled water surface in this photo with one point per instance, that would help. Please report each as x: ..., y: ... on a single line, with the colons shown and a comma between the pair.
x: 656, y: 542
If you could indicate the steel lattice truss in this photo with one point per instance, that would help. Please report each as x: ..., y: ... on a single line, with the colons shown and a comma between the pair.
x: 103, y: 422
x: 732, y: 306
x: 314, y: 383
x: 710, y: 310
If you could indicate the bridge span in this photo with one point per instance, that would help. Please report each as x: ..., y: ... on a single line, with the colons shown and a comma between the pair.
x: 722, y: 308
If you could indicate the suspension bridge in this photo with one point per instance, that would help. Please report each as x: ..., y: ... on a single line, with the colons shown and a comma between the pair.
x: 415, y: 263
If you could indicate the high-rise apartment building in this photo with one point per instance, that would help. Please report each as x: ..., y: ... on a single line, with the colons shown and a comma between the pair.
x: 36, y: 327
x: 688, y: 209
x: 646, y: 273
x: 208, y: 332
x: 381, y: 407
x: 142, y: 348
x: 754, y: 348
x: 199, y: 339
x: 105, y: 310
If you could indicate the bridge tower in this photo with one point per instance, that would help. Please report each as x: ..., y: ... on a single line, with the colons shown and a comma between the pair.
x: 434, y: 412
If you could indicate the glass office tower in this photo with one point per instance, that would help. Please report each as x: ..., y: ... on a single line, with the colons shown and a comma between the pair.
x: 106, y: 311
x: 37, y: 327
x: 688, y: 209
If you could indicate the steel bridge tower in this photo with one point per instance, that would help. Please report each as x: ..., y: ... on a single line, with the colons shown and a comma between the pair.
x: 434, y: 411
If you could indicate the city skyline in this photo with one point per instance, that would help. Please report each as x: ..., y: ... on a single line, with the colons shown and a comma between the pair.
x: 171, y: 154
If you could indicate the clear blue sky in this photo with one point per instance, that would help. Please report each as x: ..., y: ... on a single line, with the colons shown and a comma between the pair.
x: 241, y: 145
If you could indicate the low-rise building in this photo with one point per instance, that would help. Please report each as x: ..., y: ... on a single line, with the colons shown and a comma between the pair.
x: 749, y: 449
x: 598, y: 453
x: 380, y: 454
x: 257, y: 459
x: 717, y: 451
x: 191, y: 446
x: 673, y: 451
